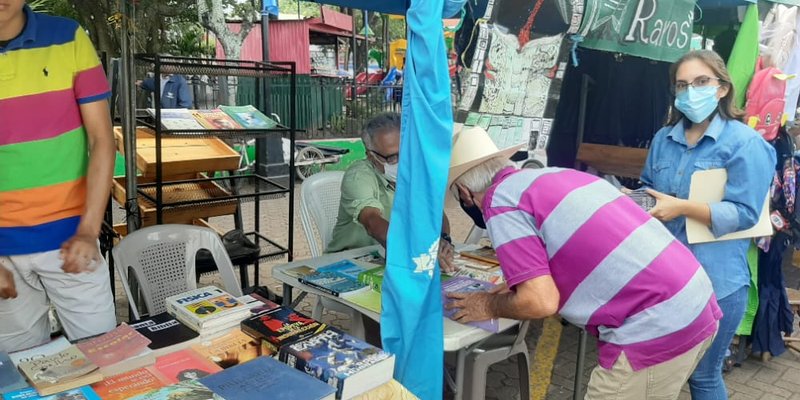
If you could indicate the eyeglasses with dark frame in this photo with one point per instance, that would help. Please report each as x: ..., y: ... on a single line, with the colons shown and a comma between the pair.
x: 390, y: 159
x: 700, y: 81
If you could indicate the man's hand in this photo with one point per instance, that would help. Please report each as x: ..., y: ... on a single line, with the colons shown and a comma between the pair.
x: 8, y: 290
x: 471, y: 306
x: 667, y: 207
x: 446, y: 256
x: 79, y: 254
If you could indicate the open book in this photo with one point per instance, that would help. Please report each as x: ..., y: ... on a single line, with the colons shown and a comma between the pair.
x: 709, y: 187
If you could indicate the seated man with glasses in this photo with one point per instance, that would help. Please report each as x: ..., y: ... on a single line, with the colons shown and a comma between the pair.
x: 366, y: 204
x: 368, y: 192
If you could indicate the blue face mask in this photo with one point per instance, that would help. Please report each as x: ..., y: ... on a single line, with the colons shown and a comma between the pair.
x: 697, y: 103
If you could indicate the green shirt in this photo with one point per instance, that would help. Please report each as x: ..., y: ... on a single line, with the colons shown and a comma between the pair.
x: 362, y: 186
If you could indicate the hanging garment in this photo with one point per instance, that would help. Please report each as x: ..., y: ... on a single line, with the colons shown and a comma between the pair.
x: 793, y: 85
x: 774, y: 318
x: 778, y: 35
x: 742, y: 63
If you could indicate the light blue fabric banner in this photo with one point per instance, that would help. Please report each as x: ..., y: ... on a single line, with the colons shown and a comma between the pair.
x: 411, y: 320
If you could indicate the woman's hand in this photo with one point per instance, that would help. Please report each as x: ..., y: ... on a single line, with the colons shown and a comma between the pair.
x: 667, y: 207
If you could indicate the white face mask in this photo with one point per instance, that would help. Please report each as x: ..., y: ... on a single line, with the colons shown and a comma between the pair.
x: 390, y: 172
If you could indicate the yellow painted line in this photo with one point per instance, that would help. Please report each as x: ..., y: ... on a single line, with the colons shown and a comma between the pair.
x: 544, y: 358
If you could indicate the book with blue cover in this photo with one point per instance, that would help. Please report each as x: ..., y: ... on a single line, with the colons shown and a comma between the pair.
x: 333, y: 283
x: 336, y: 279
x: 344, y: 267
x: 463, y: 284
x: 349, y: 364
x: 266, y: 378
x: 10, y: 378
x: 81, y: 393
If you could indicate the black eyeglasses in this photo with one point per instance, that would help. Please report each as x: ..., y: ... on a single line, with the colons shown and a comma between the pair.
x: 390, y: 159
x: 700, y: 81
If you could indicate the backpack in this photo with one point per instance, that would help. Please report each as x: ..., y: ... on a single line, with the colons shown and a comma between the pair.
x: 766, y: 100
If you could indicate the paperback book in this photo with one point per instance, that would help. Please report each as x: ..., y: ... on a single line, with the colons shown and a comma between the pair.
x: 232, y: 348
x: 67, y: 369
x: 369, y: 299
x: 266, y: 378
x: 176, y: 119
x: 215, y: 119
x: 10, y: 378
x: 373, y: 278
x: 52, y: 347
x: 184, y: 365
x: 300, y: 271
x: 163, y: 330
x: 129, y: 384
x: 81, y: 393
x: 463, y: 284
x: 485, y: 254
x: 281, y: 326
x: 350, y: 365
x: 333, y: 283
x: 337, y: 278
x: 249, y: 117
x: 115, y: 346
x: 189, y: 390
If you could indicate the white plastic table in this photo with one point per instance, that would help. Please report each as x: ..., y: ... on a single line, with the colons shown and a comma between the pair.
x: 458, y: 338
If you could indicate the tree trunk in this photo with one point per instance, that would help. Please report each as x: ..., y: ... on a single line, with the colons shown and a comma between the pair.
x: 212, y: 17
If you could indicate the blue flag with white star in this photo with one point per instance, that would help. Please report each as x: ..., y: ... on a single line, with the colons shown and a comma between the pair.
x: 411, y: 319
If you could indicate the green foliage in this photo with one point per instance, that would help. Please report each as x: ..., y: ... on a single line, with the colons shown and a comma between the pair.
x: 189, y: 39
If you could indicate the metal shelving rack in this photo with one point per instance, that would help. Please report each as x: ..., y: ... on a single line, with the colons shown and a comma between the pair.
x: 260, y: 186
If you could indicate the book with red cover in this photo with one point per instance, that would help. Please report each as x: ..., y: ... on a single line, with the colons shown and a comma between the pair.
x: 123, y: 386
x: 215, y: 119
x: 185, y: 365
x: 281, y: 326
x: 115, y: 346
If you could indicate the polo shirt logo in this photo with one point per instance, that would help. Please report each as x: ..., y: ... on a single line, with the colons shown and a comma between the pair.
x: 44, y: 71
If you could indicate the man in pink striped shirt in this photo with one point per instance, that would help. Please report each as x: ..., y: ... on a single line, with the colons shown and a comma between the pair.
x: 571, y: 243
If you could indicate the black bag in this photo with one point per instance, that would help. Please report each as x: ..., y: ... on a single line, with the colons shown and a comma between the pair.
x: 240, y: 249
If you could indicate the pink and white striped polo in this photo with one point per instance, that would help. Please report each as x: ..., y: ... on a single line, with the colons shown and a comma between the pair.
x: 620, y: 273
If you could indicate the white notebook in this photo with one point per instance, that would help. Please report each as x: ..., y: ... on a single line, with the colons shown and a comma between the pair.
x: 709, y: 187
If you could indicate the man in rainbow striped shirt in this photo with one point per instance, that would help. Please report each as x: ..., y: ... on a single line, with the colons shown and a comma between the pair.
x: 56, y: 161
x: 571, y: 243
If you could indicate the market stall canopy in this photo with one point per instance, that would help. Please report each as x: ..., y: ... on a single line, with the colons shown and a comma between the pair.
x: 397, y: 7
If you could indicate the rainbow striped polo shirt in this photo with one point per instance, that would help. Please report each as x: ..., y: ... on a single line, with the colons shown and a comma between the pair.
x: 619, y: 271
x: 45, y: 75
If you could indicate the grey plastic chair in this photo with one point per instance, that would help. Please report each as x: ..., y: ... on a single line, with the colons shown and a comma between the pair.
x: 162, y: 259
x: 496, y: 349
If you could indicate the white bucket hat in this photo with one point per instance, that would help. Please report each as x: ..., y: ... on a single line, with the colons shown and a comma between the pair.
x: 472, y: 146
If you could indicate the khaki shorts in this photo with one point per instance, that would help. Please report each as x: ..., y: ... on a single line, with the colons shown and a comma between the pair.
x: 661, y: 381
x: 84, y: 302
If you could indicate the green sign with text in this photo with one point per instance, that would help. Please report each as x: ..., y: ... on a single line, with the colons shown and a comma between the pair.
x: 655, y: 29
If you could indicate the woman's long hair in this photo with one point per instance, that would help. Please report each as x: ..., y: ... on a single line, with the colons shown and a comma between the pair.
x: 726, y: 109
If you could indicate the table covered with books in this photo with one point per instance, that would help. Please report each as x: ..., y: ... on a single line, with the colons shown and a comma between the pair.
x: 199, y: 350
x: 323, y: 276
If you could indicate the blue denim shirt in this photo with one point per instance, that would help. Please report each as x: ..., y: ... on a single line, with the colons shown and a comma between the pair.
x: 750, y: 162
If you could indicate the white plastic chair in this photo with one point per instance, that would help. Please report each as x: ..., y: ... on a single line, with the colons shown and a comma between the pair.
x: 319, y: 206
x: 495, y: 349
x: 162, y: 259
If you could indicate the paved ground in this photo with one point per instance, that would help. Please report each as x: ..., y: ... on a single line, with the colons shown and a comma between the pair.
x: 553, y: 347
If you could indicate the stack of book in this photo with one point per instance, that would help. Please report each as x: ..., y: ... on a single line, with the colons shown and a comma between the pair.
x: 207, y: 310
x: 128, y: 361
x: 349, y: 364
x: 222, y: 118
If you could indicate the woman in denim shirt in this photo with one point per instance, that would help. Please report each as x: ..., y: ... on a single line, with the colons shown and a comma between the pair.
x: 704, y: 132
